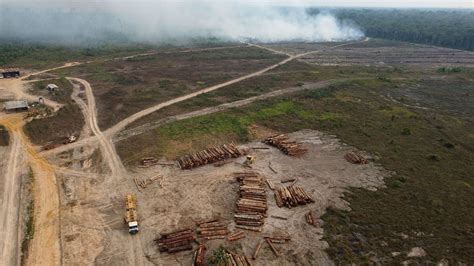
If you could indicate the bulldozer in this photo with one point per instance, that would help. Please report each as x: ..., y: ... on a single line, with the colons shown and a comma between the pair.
x: 249, y: 159
x: 131, y: 217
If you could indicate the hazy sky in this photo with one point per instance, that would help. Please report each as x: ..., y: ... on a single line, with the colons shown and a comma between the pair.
x: 325, y: 3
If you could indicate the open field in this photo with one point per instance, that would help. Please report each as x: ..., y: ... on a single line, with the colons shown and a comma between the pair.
x: 127, y: 86
x: 411, y: 118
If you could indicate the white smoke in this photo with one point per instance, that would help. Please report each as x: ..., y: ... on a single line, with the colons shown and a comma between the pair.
x: 162, y: 21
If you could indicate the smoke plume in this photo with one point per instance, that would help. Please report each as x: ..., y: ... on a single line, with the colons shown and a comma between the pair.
x: 163, y: 21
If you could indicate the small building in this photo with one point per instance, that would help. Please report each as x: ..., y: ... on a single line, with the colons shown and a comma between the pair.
x: 16, y: 106
x: 9, y: 73
x: 52, y: 87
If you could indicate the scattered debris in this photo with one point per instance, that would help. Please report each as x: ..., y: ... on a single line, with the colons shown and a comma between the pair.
x: 199, y: 255
x: 283, y: 143
x: 279, y: 217
x: 257, y: 249
x: 144, y: 183
x: 356, y: 158
x: 260, y: 148
x: 272, y: 247
x: 288, y: 180
x: 271, y: 168
x: 177, y: 241
x: 212, y: 230
x: 270, y: 184
x: 252, y: 204
x: 69, y: 139
x: 210, y: 155
x: 292, y: 196
x: 310, y: 218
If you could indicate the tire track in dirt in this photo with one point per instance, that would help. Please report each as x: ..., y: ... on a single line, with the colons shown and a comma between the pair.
x: 114, y: 162
x: 10, y: 209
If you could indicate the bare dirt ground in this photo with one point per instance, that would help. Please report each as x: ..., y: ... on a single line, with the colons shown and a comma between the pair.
x: 412, y: 56
x: 210, y: 191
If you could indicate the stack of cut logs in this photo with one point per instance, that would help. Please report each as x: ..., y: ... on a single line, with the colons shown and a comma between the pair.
x: 148, y: 161
x: 213, y: 229
x: 355, y: 158
x: 210, y: 155
x: 292, y: 196
x: 231, y: 258
x: 199, y: 255
x: 252, y: 204
x: 284, y: 144
x: 176, y: 241
x: 236, y: 235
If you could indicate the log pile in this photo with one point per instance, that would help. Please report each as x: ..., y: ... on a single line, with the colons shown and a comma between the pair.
x: 210, y: 155
x: 292, y: 196
x: 231, y: 258
x: 148, y: 161
x: 213, y: 229
x: 356, y: 158
x: 176, y: 241
x: 199, y: 255
x: 251, y: 207
x: 236, y: 236
x: 284, y: 144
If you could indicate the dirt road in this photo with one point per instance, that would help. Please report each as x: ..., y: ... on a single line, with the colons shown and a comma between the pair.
x: 109, y: 154
x: 9, y: 212
x: 45, y: 247
x: 124, y: 134
x: 107, y: 148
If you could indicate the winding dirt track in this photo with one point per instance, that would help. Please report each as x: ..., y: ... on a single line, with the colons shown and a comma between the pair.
x: 9, y: 212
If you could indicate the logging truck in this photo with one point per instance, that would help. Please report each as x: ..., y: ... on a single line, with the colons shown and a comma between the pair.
x: 131, y: 218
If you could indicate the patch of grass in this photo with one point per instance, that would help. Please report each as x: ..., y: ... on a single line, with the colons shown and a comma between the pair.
x: 29, y: 228
x: 61, y: 95
x: 4, y: 136
x: 67, y: 121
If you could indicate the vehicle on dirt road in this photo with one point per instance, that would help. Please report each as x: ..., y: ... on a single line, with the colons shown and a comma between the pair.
x: 131, y: 217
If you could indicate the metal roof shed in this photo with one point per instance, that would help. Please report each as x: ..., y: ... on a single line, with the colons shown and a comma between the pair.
x: 12, y: 106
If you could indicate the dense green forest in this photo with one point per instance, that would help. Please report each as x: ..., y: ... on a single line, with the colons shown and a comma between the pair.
x: 440, y: 27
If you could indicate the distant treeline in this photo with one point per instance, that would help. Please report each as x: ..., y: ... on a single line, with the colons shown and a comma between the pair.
x: 446, y: 27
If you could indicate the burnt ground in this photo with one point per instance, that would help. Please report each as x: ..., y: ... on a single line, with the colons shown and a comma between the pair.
x: 123, y: 87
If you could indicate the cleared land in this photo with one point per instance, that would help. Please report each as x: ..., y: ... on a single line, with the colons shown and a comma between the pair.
x: 124, y: 87
x: 413, y: 122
